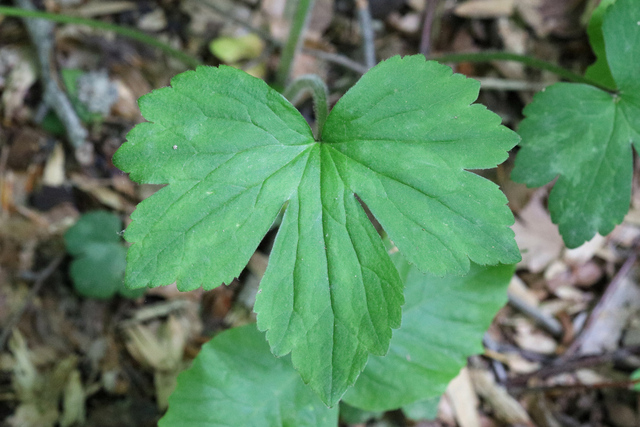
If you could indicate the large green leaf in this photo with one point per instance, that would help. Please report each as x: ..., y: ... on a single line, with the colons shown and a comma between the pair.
x: 443, y: 323
x: 236, y: 381
x: 583, y: 136
x: 234, y: 151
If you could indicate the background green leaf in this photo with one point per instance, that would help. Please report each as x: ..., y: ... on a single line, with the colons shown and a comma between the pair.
x: 236, y: 381
x: 583, y: 136
x: 423, y: 409
x: 234, y: 151
x: 99, y: 255
x: 443, y: 323
x: 352, y: 415
x: 599, y: 70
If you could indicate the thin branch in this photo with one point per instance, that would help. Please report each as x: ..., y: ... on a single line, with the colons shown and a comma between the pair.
x: 41, y: 33
x: 580, y: 386
x: 597, y: 311
x: 368, y: 35
x: 572, y: 364
x: 427, y: 25
x: 547, y: 322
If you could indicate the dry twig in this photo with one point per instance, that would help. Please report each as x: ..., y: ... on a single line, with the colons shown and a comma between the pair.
x: 41, y: 33
x: 427, y: 25
x: 368, y: 36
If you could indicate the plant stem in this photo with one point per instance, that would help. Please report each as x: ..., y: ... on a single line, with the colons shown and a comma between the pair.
x: 427, y: 26
x: 527, y: 60
x: 368, y: 36
x: 314, y: 84
x: 294, y: 41
x: 189, y: 60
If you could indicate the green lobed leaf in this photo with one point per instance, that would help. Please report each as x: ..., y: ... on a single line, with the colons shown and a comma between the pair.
x: 234, y: 151
x: 236, y: 381
x: 443, y: 323
x: 99, y: 261
x: 599, y: 70
x: 583, y: 135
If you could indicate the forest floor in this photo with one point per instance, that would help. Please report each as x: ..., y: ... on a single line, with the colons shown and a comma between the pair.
x: 561, y: 353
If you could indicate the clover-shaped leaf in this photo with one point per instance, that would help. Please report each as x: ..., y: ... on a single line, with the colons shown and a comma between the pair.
x: 97, y: 270
x: 583, y: 135
x: 234, y: 152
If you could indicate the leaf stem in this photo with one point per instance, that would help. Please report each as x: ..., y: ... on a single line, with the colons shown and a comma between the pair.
x: 130, y: 33
x: 294, y: 41
x: 320, y: 94
x: 527, y: 60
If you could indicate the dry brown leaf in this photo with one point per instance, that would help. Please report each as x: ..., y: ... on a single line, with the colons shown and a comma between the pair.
x: 464, y: 400
x: 278, y: 23
x: 506, y: 408
x: 519, y: 365
x: 538, y: 238
x: 408, y: 23
x: 585, y: 252
x: 627, y: 233
x: 620, y: 413
x: 514, y: 39
x: 162, y: 350
x: 202, y: 17
x: 321, y: 17
x: 73, y: 402
x: 53, y: 174
x: 484, y: 9
x: 518, y: 288
x: 529, y: 338
x: 153, y: 21
x: 560, y: 18
x: 307, y: 64
x: 18, y: 72
x: 99, y: 190
x: 126, y: 106
x: 39, y: 393
x: 611, y: 316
